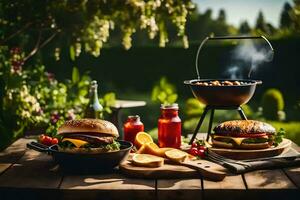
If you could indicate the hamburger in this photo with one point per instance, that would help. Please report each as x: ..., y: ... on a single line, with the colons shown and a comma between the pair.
x: 244, y: 134
x: 88, y: 136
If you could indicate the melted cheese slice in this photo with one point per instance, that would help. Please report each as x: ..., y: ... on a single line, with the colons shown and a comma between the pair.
x: 237, y: 140
x: 76, y: 142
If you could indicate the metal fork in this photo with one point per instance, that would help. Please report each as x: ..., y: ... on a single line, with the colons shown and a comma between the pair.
x: 221, y: 160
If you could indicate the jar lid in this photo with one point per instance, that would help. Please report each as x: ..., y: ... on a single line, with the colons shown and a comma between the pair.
x: 135, y: 117
x: 169, y: 106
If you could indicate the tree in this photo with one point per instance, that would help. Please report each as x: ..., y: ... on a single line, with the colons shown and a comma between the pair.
x: 260, y: 23
x: 222, y: 16
x: 244, y: 28
x: 295, y: 15
x: 87, y: 24
x: 285, y: 17
x: 271, y: 29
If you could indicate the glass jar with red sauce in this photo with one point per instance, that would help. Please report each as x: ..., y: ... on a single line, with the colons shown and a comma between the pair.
x: 169, y: 126
x: 131, y: 127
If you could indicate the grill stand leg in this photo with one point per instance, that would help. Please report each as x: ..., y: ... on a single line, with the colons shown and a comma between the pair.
x: 212, y: 108
x: 211, y: 119
x: 242, y: 114
x: 206, y: 109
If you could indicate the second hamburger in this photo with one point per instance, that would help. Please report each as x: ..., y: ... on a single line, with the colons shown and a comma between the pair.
x: 243, y: 134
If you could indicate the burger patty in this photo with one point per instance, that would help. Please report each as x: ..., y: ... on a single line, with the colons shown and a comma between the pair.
x: 92, y: 139
x: 244, y: 127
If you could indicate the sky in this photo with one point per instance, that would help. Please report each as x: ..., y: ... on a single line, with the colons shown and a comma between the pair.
x: 240, y: 10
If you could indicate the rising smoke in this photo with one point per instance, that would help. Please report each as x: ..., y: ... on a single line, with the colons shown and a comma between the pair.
x: 234, y: 72
x: 251, y: 54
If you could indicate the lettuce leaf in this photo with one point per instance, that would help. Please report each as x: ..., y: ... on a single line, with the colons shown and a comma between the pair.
x: 279, y: 136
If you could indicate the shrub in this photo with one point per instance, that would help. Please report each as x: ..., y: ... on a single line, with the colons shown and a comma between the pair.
x: 31, y: 97
x: 248, y: 110
x: 273, y: 105
x: 193, y: 107
x: 164, y: 92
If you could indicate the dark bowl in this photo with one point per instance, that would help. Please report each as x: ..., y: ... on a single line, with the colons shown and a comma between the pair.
x: 98, y: 162
x: 84, y: 163
x: 225, y: 95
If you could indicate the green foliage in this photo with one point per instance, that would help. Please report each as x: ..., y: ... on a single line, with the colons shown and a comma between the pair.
x: 75, y: 75
x: 72, y: 53
x: 285, y: 16
x: 295, y: 15
x: 189, y: 125
x: 164, y: 92
x: 32, y: 97
x: 193, y: 107
x: 272, y: 104
x: 222, y: 16
x: 208, y: 25
x: 292, y: 129
x: 278, y: 137
x: 87, y: 25
x: 107, y: 102
x: 244, y: 28
x: 247, y: 110
x: 261, y: 24
x: 154, y: 134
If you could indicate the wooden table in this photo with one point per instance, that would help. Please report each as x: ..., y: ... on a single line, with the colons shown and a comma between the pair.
x: 26, y: 174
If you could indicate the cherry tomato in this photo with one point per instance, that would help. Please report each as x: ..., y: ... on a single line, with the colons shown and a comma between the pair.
x: 201, y: 153
x: 47, y: 141
x: 202, y: 148
x: 41, y: 138
x: 54, y: 141
x: 193, y: 151
x: 194, y: 145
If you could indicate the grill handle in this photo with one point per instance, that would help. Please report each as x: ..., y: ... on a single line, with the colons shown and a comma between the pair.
x: 228, y: 38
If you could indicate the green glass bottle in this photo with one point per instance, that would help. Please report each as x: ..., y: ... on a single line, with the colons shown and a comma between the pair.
x: 94, y: 109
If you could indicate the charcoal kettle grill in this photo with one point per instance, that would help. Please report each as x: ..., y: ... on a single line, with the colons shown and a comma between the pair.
x: 222, y: 97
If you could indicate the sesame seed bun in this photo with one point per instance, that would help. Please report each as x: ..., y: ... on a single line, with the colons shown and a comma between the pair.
x: 244, y: 127
x: 88, y: 126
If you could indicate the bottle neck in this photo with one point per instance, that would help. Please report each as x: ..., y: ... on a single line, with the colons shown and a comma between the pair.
x: 168, y: 113
x: 94, y: 93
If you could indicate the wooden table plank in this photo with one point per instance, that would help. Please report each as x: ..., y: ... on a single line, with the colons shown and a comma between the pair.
x: 270, y: 184
x: 12, y: 153
x: 109, y: 186
x: 179, y: 189
x: 31, y: 177
x: 4, y: 166
x: 232, y: 186
x: 268, y: 179
x: 33, y: 170
x: 294, y: 175
x: 230, y: 182
x: 294, y: 172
